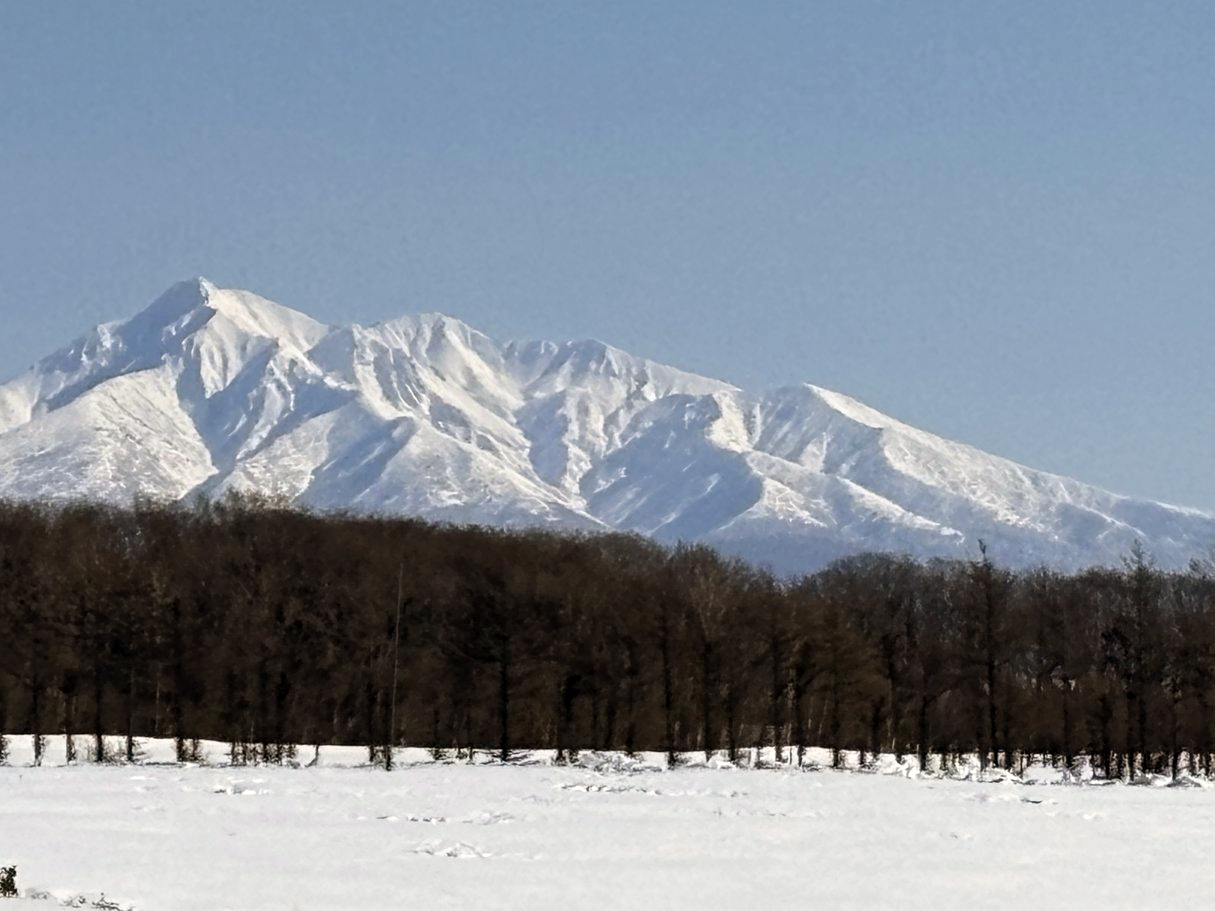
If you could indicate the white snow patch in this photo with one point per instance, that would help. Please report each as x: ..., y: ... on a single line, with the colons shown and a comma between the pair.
x: 608, y: 832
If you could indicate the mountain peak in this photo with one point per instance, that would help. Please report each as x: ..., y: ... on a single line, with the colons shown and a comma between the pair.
x: 424, y: 415
x: 181, y: 299
x: 251, y: 313
x: 198, y: 299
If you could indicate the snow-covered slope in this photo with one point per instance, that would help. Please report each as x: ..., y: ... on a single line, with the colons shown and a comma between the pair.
x: 209, y: 390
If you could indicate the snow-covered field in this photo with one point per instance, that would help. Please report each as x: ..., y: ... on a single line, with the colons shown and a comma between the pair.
x: 612, y: 834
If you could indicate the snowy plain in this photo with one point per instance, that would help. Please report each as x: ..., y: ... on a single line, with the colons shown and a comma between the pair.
x: 608, y: 833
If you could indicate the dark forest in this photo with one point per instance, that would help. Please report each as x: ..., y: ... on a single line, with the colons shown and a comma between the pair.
x: 254, y: 624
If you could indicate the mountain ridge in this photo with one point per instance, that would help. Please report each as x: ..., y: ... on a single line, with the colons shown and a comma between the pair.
x: 210, y: 389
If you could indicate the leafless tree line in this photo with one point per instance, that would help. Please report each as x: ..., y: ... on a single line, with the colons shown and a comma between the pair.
x: 251, y: 623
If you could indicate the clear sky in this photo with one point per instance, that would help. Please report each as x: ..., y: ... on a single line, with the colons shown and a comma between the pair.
x: 993, y: 221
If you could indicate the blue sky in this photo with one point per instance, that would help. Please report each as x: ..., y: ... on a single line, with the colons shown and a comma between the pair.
x: 994, y: 221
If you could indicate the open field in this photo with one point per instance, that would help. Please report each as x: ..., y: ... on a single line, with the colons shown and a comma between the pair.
x: 613, y: 834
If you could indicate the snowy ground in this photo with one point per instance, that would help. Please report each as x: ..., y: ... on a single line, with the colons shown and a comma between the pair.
x: 159, y: 837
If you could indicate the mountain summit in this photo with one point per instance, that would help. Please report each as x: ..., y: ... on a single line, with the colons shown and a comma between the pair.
x: 211, y: 389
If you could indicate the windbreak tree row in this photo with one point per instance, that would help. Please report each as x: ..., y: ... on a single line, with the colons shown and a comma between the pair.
x: 266, y: 628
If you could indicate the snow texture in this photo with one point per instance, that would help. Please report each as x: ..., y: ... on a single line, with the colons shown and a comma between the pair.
x: 209, y: 390
x: 608, y: 833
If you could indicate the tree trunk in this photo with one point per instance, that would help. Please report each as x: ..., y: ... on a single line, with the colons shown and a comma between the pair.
x: 504, y: 672
x: 731, y: 734
x: 130, y: 715
x: 611, y: 709
x: 706, y: 700
x: 799, y: 724
x: 69, y: 723
x: 777, y: 700
x: 565, y: 709
x: 98, y: 733
x: 1068, y: 757
x: 35, y: 718
x: 369, y: 711
x: 668, y: 696
x: 1131, y: 740
x: 923, y: 734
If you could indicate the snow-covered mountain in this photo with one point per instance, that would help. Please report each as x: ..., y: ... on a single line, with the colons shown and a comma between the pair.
x: 211, y: 389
